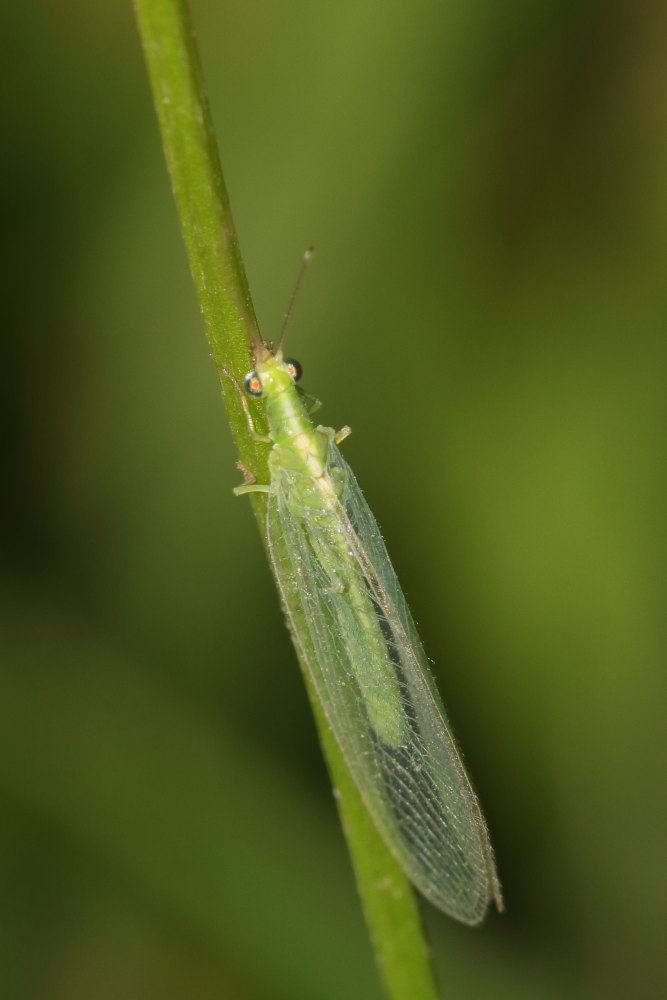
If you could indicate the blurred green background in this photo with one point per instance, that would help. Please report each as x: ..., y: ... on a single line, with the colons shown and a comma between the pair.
x: 486, y: 185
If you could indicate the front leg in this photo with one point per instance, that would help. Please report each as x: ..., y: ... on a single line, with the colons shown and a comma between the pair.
x: 250, y: 485
x: 335, y: 436
x: 250, y: 488
x: 343, y: 433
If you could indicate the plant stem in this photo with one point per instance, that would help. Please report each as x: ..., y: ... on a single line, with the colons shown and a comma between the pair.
x: 203, y: 206
x: 208, y: 230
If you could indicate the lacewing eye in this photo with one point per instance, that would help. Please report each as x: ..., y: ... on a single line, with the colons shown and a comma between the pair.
x: 294, y: 368
x: 252, y: 384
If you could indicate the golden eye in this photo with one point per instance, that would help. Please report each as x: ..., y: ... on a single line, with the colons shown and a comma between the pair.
x: 294, y: 368
x: 252, y: 384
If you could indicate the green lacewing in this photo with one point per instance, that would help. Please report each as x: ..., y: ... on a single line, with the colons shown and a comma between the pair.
x: 352, y: 628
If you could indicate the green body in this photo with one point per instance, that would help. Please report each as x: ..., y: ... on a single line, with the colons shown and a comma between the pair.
x: 304, y: 452
x: 353, y: 631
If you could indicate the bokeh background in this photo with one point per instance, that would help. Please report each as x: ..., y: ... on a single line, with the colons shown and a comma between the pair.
x: 486, y: 185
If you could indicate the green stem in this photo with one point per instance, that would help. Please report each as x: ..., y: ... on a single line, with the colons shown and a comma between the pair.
x: 203, y: 206
x: 208, y: 230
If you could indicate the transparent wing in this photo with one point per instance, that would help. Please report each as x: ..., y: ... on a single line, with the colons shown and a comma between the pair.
x: 351, y: 624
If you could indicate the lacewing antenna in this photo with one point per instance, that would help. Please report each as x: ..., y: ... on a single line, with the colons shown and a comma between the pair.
x: 307, y: 258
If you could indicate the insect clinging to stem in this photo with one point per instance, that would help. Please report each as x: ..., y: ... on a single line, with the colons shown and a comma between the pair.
x: 353, y: 631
